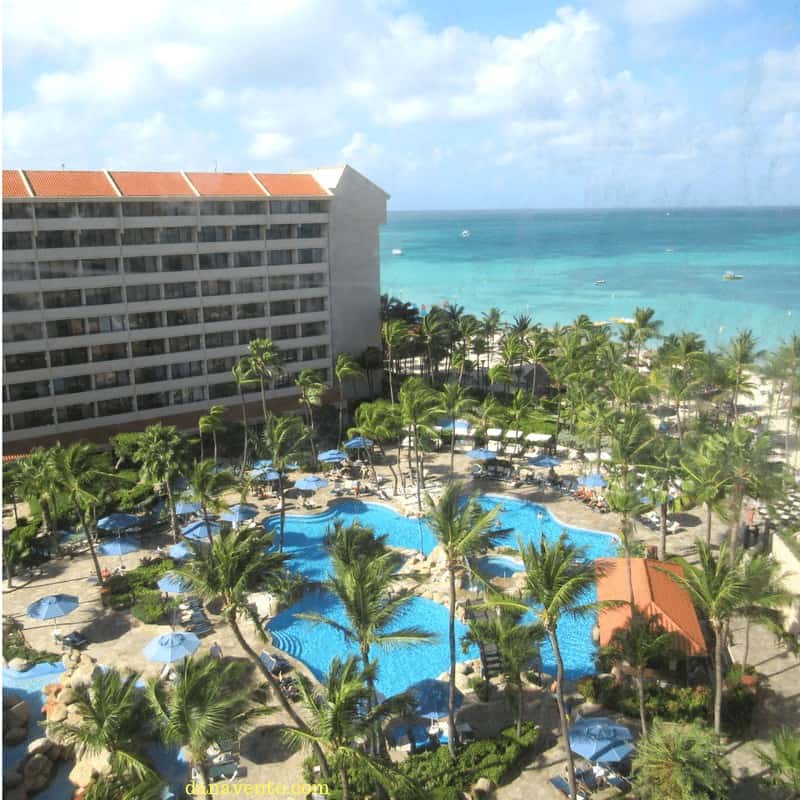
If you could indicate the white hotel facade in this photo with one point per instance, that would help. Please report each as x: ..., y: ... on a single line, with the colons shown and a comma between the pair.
x: 129, y: 296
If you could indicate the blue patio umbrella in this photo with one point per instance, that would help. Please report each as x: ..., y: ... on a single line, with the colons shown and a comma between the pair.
x: 172, y: 584
x: 593, y: 480
x: 290, y: 467
x: 118, y: 547
x: 461, y: 427
x: 171, y: 647
x: 544, y: 461
x: 53, y: 606
x: 602, y: 727
x: 118, y: 522
x: 198, y: 531
x: 268, y: 475
x: 186, y: 507
x: 311, y: 484
x: 180, y: 551
x: 332, y: 457
x: 481, y: 455
x: 358, y: 443
x: 432, y: 697
x: 600, y: 739
x: 262, y: 463
x: 239, y: 513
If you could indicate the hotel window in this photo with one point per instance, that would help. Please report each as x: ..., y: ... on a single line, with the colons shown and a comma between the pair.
x: 316, y: 352
x: 183, y: 344
x: 191, y: 394
x: 177, y: 263
x: 280, y: 308
x: 141, y: 294
x: 250, y: 311
x: 249, y: 285
x: 246, y: 233
x: 58, y: 269
x: 187, y: 369
x: 309, y: 231
x: 183, y: 316
x: 213, y: 260
x: 176, y: 235
x: 24, y: 301
x: 135, y: 236
x: 64, y: 299
x: 151, y: 319
x: 117, y: 405
x: 213, y: 288
x: 139, y: 209
x: 297, y: 207
x: 20, y: 240
x: 110, y: 352
x: 253, y: 333
x: 278, y: 258
x: 283, y: 380
x: 150, y: 374
x: 250, y: 258
x: 212, y: 233
x: 310, y: 255
x: 107, y: 324
x: 75, y: 413
x: 17, y: 211
x: 214, y: 208
x: 148, y: 347
x: 20, y: 271
x: 280, y: 332
x: 33, y: 419
x: 98, y: 238
x: 28, y: 391
x: 157, y: 209
x: 281, y: 283
x: 65, y: 327
x: 313, y: 329
x: 176, y: 209
x: 221, y: 339
x: 138, y: 264
x: 312, y: 304
x: 222, y: 390
x: 279, y: 232
x: 173, y: 291
x: 112, y: 379
x: 312, y: 280
x: 22, y: 362
x: 22, y: 332
x: 72, y: 385
x: 217, y: 314
x: 103, y: 297
x: 55, y: 210
x: 289, y: 356
x: 216, y: 365
x: 97, y: 210
x: 101, y: 266
x: 248, y: 207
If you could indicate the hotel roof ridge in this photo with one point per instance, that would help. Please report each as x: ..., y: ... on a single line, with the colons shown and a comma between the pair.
x: 66, y: 184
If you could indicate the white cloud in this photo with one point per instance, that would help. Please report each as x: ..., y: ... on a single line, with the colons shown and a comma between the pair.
x: 270, y: 144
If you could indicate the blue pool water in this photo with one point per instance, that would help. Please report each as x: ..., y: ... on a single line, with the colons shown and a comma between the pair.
x: 316, y: 644
x: 499, y: 566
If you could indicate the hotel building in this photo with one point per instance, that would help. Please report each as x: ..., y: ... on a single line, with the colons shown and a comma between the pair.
x: 129, y: 296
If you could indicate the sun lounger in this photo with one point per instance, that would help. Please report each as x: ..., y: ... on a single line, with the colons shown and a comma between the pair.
x: 562, y: 787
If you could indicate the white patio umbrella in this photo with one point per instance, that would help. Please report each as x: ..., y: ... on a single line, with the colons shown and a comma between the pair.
x: 538, y: 437
x: 494, y: 433
x: 513, y: 434
x: 601, y: 456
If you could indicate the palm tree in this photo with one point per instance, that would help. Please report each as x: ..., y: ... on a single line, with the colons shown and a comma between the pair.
x: 628, y: 504
x: 645, y: 327
x: 283, y: 441
x: 418, y: 403
x: 34, y: 481
x: 245, y: 376
x: 339, y: 720
x: 594, y: 420
x: 111, y: 718
x: 641, y: 642
x: 311, y: 391
x: 664, y: 467
x: 462, y: 529
x: 347, y: 368
x: 206, y: 484
x: 265, y: 365
x: 716, y: 586
x: 237, y: 563
x: 557, y: 579
x: 121, y: 787
x: 680, y: 762
x: 16, y: 550
x: 455, y: 403
x: 708, y: 479
x: 517, y: 644
x: 395, y: 334
x: 740, y: 357
x: 212, y: 423
x: 204, y: 706
x: 784, y: 765
x: 380, y: 422
x: 431, y: 334
x: 161, y: 456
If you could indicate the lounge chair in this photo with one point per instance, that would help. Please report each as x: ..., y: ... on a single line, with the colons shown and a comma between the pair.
x: 562, y: 787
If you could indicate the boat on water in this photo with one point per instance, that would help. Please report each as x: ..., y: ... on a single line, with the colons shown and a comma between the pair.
x: 396, y: 251
x: 599, y: 283
x: 732, y: 276
x: 465, y: 233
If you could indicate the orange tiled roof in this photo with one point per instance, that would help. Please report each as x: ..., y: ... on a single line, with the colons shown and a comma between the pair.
x: 293, y: 185
x: 152, y: 184
x: 225, y: 184
x: 69, y: 183
x: 13, y: 185
x: 655, y: 593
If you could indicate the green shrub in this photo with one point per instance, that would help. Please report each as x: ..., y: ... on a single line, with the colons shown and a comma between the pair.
x: 149, y: 608
x: 148, y: 575
x: 15, y: 646
x: 482, y: 689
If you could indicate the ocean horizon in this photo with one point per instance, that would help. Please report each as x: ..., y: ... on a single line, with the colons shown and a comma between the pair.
x: 555, y: 264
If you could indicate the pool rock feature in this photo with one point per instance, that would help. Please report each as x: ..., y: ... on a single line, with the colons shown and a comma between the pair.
x: 19, y: 665
x: 35, y: 769
x: 16, y: 715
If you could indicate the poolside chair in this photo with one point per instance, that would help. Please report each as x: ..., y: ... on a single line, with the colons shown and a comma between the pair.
x: 562, y: 787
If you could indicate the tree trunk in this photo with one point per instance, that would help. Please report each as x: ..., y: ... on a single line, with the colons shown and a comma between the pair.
x: 91, y: 547
x: 630, y: 572
x: 282, y: 509
x: 345, y: 784
x: 201, y: 769
x: 708, y: 524
x: 452, y: 735
x: 640, y: 690
x: 244, y: 427
x: 391, y: 468
x: 263, y: 397
x: 173, y: 517
x: 746, y: 645
x: 208, y: 527
x: 737, y: 500
x: 520, y: 706
x: 214, y: 439
x: 562, y: 713
x: 718, y: 678
x: 662, y: 547
x: 202, y: 449
x: 452, y: 443
x: 276, y: 690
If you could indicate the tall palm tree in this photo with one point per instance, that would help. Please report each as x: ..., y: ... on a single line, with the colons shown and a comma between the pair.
x: 204, y: 706
x: 311, y: 389
x: 284, y: 441
x: 596, y: 419
x: 347, y: 368
x: 432, y: 332
x: 645, y: 327
x: 740, y: 356
x: 212, y: 424
x: 236, y: 564
x: 265, y: 365
x: 539, y: 346
x: 708, y: 479
x: 418, y: 404
x: 34, y: 482
x: 395, y: 334
x: 641, y: 642
x: 455, y: 402
x: 462, y: 529
x: 206, y: 484
x: 664, y: 466
x: 716, y: 586
x: 161, y: 455
x: 245, y: 376
x: 380, y: 422
x: 111, y: 716
x: 628, y: 504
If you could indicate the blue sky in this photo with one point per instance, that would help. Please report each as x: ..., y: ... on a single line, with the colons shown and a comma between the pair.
x: 445, y: 105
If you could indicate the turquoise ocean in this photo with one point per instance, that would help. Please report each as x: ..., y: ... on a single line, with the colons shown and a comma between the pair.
x: 545, y: 264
